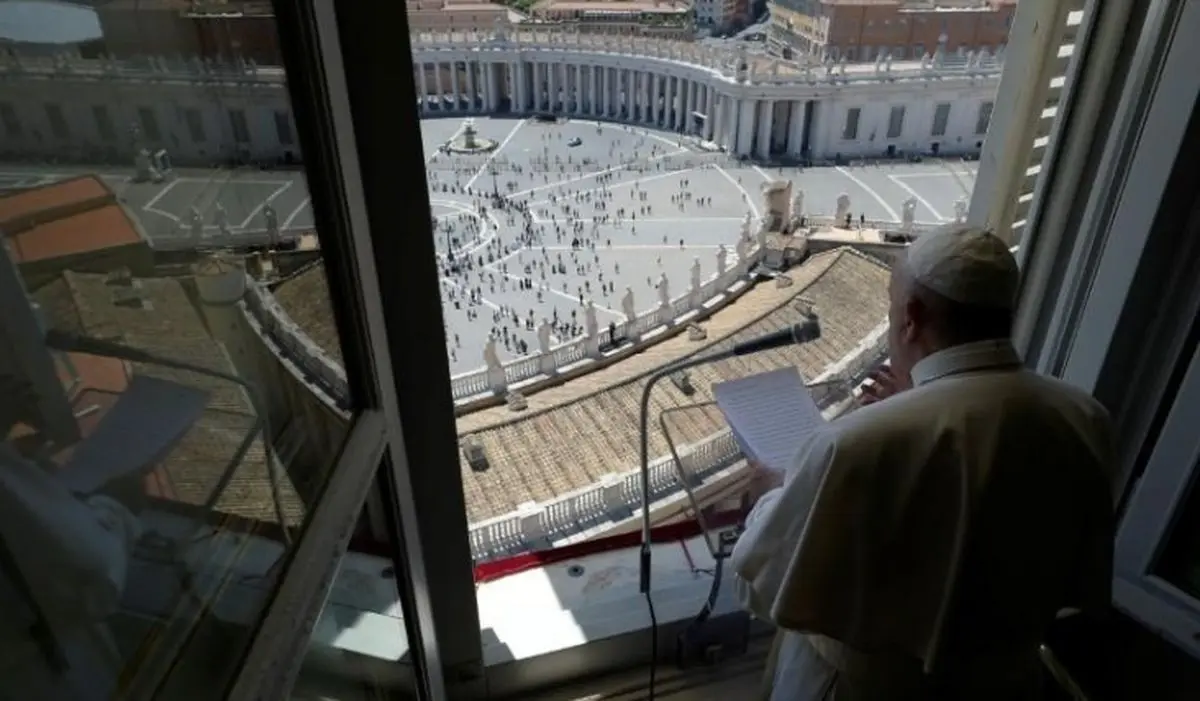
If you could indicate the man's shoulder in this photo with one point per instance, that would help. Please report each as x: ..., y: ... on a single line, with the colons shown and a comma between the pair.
x: 920, y: 406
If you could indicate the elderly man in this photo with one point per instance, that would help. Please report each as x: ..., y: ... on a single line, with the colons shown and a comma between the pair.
x: 920, y: 546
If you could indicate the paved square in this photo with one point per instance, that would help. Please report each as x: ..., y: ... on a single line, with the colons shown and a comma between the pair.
x: 589, y: 209
x: 592, y: 209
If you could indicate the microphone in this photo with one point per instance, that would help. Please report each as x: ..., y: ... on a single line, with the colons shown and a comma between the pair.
x: 804, y: 332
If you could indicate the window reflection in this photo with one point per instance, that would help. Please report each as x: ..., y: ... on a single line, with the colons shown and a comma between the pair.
x: 167, y: 430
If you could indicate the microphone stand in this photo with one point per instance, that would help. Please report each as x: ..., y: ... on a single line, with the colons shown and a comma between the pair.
x: 643, y: 421
x: 808, y: 330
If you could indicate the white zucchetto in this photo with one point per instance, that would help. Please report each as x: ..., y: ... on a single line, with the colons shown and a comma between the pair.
x: 969, y: 266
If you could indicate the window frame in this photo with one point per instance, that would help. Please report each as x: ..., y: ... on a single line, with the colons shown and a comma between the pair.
x: 1123, y: 326
x: 1154, y: 507
x: 849, y: 134
x: 105, y: 128
x: 1100, y: 337
x: 939, y: 126
x: 147, y: 120
x: 982, y: 123
x: 56, y: 118
x: 896, y: 116
x: 335, y: 109
x: 239, y: 126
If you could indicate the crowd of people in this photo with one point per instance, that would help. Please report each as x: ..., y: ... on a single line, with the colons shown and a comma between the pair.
x: 535, y: 224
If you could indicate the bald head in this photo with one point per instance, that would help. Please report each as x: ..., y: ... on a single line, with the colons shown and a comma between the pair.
x: 953, y: 287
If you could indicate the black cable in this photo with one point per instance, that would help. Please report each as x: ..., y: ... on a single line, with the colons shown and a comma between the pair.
x: 653, y: 648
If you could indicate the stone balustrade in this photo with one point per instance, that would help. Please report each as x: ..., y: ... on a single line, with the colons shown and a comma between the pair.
x: 559, y: 521
x: 642, y: 328
x: 316, y: 367
x: 726, y: 61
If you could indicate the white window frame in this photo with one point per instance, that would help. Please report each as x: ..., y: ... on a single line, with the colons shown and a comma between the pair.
x: 1147, y: 524
x: 1121, y: 324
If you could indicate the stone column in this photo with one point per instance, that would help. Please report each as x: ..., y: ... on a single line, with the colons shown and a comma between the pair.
x: 714, y: 123
x: 455, y: 94
x: 680, y: 102
x: 766, y: 124
x: 424, y: 87
x: 630, y: 85
x: 745, y: 127
x: 437, y: 86
x: 595, y: 92
x: 655, y: 99
x: 603, y: 86
x: 710, y: 112
x: 471, y: 93
x: 647, y: 107
x: 796, y: 128
x: 551, y: 86
x: 518, y: 83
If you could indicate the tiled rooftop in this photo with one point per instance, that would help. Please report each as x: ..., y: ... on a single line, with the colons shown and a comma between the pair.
x: 69, y: 217
x: 573, y: 435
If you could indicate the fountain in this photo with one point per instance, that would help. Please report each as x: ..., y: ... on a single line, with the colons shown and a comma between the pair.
x: 469, y: 141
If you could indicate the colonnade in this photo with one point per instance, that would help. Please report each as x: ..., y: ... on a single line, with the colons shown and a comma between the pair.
x: 743, y: 126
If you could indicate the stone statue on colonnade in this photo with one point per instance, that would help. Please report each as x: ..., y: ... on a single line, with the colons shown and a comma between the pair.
x: 195, y: 223
x: 797, y: 207
x: 589, y: 320
x: 743, y: 248
x: 843, y: 210
x: 221, y: 219
x: 271, y: 218
x: 627, y: 304
x: 722, y: 259
x: 960, y: 210
x: 908, y: 214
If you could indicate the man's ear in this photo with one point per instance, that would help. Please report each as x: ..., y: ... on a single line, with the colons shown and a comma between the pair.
x: 916, y: 317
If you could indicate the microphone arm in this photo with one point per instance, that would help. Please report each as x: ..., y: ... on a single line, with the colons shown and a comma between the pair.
x: 804, y: 332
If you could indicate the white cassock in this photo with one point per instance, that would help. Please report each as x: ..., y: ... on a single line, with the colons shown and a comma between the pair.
x: 934, y: 536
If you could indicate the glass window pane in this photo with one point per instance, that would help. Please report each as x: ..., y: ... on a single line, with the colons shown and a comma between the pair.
x: 895, y: 122
x: 1180, y: 560
x: 168, y: 427
x: 941, y: 117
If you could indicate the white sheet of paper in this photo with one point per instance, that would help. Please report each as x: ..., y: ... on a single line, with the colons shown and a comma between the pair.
x: 771, y: 415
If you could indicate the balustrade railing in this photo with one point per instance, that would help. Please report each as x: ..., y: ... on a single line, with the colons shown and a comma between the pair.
x: 498, y: 380
x: 551, y: 523
x: 729, y: 61
x: 315, y: 365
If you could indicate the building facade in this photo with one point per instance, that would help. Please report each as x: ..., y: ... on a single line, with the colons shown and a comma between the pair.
x: 226, y: 30
x: 716, y: 15
x: 750, y: 106
x: 861, y: 30
x: 664, y: 19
